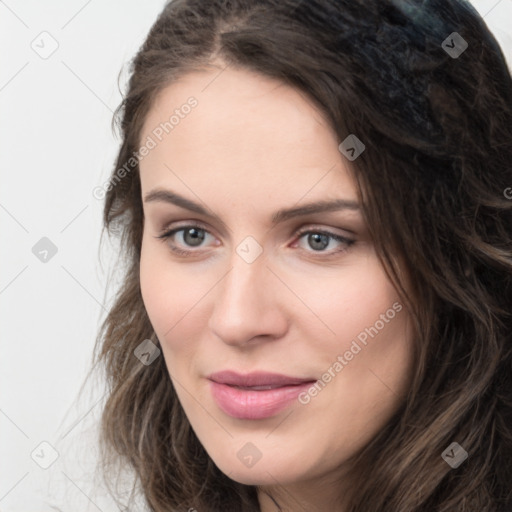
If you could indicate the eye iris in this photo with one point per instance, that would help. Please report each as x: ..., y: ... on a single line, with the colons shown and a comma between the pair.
x: 197, y: 236
x: 318, y: 238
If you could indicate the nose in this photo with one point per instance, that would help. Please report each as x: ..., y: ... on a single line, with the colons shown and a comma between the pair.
x: 247, y: 305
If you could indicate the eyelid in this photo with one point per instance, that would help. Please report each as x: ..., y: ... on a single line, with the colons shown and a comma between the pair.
x: 192, y: 223
x: 321, y: 229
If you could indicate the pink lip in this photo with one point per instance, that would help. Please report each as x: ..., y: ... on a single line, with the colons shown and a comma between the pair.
x: 255, y: 404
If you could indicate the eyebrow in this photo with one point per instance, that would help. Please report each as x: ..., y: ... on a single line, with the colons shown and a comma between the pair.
x: 166, y: 196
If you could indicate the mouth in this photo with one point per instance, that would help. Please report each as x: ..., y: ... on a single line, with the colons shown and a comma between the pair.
x: 258, y: 388
x: 264, y: 380
x: 257, y: 395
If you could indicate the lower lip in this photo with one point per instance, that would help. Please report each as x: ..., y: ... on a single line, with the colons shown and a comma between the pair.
x: 255, y: 405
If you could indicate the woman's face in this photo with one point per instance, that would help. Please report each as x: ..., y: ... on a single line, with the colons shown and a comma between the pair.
x: 271, y: 281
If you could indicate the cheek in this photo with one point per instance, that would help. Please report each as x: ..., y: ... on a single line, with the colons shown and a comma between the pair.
x: 153, y: 286
x: 376, y: 320
x: 369, y: 305
x: 172, y: 298
x: 163, y: 291
x: 375, y: 342
x: 349, y: 301
x: 371, y: 334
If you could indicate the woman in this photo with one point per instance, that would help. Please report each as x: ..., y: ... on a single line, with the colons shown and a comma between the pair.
x: 316, y: 312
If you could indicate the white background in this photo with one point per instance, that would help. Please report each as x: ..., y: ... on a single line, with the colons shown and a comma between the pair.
x: 56, y: 146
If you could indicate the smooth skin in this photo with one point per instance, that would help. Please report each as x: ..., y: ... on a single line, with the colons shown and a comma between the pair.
x: 250, y: 147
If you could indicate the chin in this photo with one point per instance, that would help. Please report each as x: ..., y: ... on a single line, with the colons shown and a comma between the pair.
x: 252, y: 476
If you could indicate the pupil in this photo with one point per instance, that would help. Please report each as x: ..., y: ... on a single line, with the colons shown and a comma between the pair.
x: 196, y: 238
x: 318, y: 238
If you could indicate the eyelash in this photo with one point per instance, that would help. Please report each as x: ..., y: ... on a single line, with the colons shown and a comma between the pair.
x: 166, y: 235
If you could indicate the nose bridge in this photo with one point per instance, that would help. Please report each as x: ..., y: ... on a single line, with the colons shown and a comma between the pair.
x: 243, y: 307
x: 248, y: 267
x: 241, y: 289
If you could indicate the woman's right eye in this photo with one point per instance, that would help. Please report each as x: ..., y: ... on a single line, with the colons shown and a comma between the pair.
x: 192, y: 236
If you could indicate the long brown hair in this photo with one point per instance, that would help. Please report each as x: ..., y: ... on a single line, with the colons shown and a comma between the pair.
x: 435, y: 183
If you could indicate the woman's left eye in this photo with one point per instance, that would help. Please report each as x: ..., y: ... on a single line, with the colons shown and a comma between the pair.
x: 318, y: 240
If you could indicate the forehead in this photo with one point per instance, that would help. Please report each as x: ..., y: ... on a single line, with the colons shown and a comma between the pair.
x: 233, y: 105
x: 243, y: 126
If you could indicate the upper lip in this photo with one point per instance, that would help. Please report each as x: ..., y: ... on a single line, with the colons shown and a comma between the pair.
x: 232, y: 378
